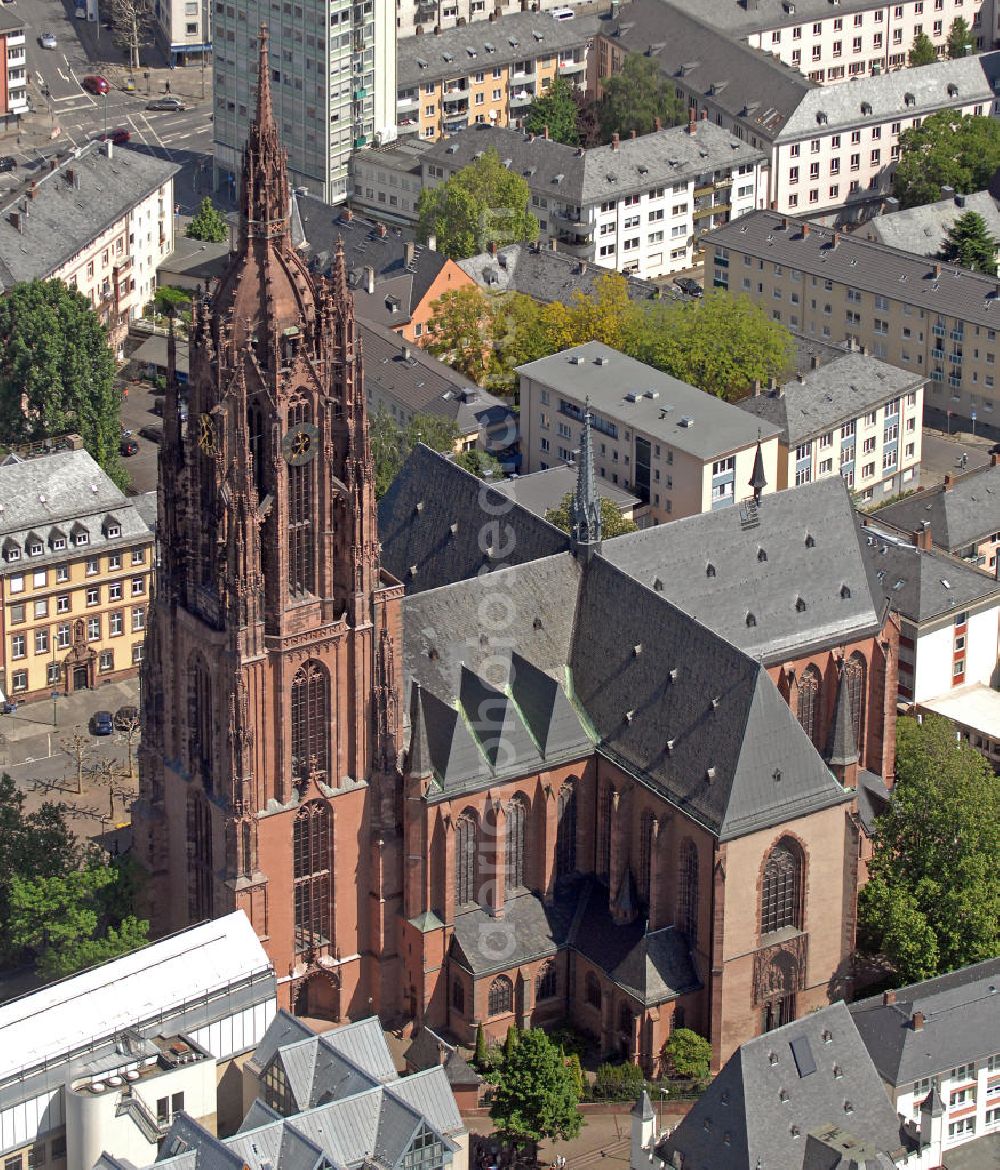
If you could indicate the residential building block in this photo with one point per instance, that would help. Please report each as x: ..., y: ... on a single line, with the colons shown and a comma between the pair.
x: 184, y: 29
x: 14, y: 75
x: 923, y: 231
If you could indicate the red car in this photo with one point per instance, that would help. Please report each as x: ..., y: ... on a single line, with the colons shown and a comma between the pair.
x: 118, y: 137
x: 95, y: 83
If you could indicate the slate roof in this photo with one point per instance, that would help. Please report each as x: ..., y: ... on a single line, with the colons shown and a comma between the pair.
x: 747, y: 84
x: 439, y: 520
x: 961, y: 1024
x: 736, y: 18
x: 781, y: 1086
x: 804, y: 547
x: 821, y: 399
x: 863, y: 264
x: 455, y: 52
x: 660, y: 403
x: 428, y: 1050
x: 420, y: 384
x: 873, y: 799
x: 922, y: 230
x: 960, y: 516
x: 61, y: 496
x: 193, y: 263
x: 62, y: 219
x: 924, y: 585
x: 540, y: 491
x: 584, y: 177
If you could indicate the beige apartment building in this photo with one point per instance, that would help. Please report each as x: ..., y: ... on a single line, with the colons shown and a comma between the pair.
x: 488, y: 72
x: 76, y: 562
x: 933, y: 319
x: 679, y: 450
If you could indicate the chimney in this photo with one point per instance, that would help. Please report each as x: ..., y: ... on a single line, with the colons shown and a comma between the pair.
x: 918, y: 1021
x: 409, y: 253
x: 545, y: 132
x: 922, y: 537
x: 692, y: 119
x: 814, y: 362
x: 15, y: 220
x: 369, y: 279
x: 406, y: 353
x: 348, y: 215
x: 994, y: 458
x: 888, y: 998
x: 704, y: 115
x: 937, y: 271
x: 949, y: 481
x: 491, y: 247
x: 581, y: 268
x: 805, y: 230
x: 632, y: 134
x: 580, y: 152
x: 382, y: 230
x: 432, y: 243
x: 553, y: 246
x: 615, y: 141
x: 757, y: 387
x: 835, y: 239
x: 657, y: 124
x: 109, y: 148
x: 31, y: 189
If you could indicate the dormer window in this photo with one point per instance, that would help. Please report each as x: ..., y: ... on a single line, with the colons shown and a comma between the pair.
x: 36, y: 548
x: 114, y: 532
x: 10, y: 551
x: 81, y: 538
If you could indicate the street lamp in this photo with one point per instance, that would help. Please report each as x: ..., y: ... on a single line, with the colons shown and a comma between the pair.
x: 55, y: 713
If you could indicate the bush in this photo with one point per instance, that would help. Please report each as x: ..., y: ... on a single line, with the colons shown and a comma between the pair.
x: 619, y: 1082
x: 568, y: 1039
x: 687, y: 1054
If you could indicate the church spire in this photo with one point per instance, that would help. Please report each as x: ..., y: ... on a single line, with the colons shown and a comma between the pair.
x: 758, y: 480
x: 585, y: 506
x: 842, y: 752
x: 264, y: 185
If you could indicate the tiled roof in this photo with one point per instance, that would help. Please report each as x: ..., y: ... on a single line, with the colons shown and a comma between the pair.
x: 960, y: 515
x: 545, y: 275
x: 72, y: 205
x: 821, y: 399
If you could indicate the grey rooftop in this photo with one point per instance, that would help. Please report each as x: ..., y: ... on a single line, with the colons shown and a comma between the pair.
x: 636, y: 395
x: 960, y: 514
x: 921, y: 230
x: 741, y: 19
x: 541, y: 491
x: 66, y: 208
x: 821, y: 399
x: 456, y: 52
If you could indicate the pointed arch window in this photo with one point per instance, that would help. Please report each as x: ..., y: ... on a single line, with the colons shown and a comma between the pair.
x: 501, y: 996
x: 255, y: 430
x: 517, y: 816
x: 302, y: 516
x: 466, y: 857
x: 604, y: 829
x: 592, y: 990
x: 310, y: 701
x: 312, y: 865
x: 247, y: 848
x: 547, y: 984
x: 808, y: 704
x: 781, y: 892
x: 856, y: 677
x: 687, y: 890
x: 199, y: 844
x: 200, y: 721
x: 566, y: 831
x: 645, y: 868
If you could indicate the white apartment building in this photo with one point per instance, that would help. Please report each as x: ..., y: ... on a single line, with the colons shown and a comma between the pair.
x: 14, y: 79
x: 941, y: 1036
x: 679, y: 450
x: 855, y: 416
x: 184, y: 28
x: 101, y: 220
x: 418, y: 17
x: 830, y: 148
x: 639, y: 205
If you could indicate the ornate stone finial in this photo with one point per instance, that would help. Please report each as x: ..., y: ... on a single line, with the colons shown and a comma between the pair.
x: 585, y: 507
x: 758, y: 480
x: 265, y: 111
x: 843, y: 749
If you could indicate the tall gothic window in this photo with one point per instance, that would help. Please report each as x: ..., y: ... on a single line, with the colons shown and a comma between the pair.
x: 199, y: 844
x: 247, y: 850
x: 547, y: 984
x: 855, y: 675
x: 566, y: 831
x: 200, y: 721
x: 604, y: 830
x: 312, y: 864
x: 687, y: 890
x: 501, y: 996
x: 592, y: 990
x: 301, y: 515
x: 311, y: 722
x: 809, y: 705
x: 255, y: 429
x: 781, y: 895
x: 645, y: 867
x: 517, y: 813
x: 466, y: 850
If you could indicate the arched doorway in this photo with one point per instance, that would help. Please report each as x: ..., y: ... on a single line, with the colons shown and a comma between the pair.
x: 318, y: 997
x: 80, y: 663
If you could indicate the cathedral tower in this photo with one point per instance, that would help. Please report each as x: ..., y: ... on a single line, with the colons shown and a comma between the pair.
x: 274, y: 660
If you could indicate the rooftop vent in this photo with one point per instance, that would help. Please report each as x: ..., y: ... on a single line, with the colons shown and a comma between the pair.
x: 686, y: 421
x: 710, y: 570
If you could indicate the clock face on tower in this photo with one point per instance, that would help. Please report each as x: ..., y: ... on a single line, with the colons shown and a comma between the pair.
x: 300, y: 444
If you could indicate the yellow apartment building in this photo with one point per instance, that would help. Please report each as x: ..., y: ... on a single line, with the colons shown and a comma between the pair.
x: 76, y: 562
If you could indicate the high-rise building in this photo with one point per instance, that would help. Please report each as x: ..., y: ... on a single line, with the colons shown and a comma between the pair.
x: 269, y: 710
x: 333, y: 84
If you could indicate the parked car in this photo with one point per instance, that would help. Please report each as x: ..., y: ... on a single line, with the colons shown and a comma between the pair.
x: 129, y: 447
x: 7, y: 163
x: 95, y: 83
x: 101, y: 723
x: 166, y: 103
x: 119, y: 137
x: 126, y: 718
x: 689, y: 286
x: 153, y: 433
x: 48, y: 41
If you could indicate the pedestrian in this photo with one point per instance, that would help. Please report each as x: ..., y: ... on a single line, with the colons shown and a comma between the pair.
x: 166, y: 86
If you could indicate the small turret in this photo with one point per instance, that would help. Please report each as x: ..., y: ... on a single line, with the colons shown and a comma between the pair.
x: 643, y: 1133
x: 842, y: 750
x: 585, y: 507
x: 758, y: 480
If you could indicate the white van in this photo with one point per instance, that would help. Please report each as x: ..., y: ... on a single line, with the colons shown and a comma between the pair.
x: 563, y: 14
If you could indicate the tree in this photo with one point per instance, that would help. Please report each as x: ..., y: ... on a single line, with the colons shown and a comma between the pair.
x: 536, y: 1094
x: 932, y: 901
x: 481, y: 1057
x: 132, y: 22
x: 57, y: 372
x: 170, y: 300
x: 947, y: 149
x: 460, y: 331
x: 129, y: 724
x: 720, y: 343
x: 209, y: 224
x: 391, y: 444
x: 636, y: 96
x: 613, y: 523
x: 480, y: 204
x: 687, y: 1054
x: 479, y: 463
x: 80, y: 749
x: 923, y: 51
x: 968, y: 242
x: 959, y: 38
x: 62, y: 920
x: 555, y: 113
x: 510, y: 1042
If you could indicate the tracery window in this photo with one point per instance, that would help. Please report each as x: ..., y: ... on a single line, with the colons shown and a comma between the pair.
x: 592, y: 990
x: 466, y: 851
x: 310, y: 704
x: 855, y: 677
x: 458, y: 995
x: 781, y: 894
x: 809, y: 706
x: 547, y: 983
x: 199, y: 837
x: 312, y: 864
x: 501, y: 996
x: 517, y: 812
x: 200, y: 721
x: 255, y: 429
x: 645, y: 867
x: 604, y: 830
x: 301, y: 514
x: 566, y: 831
x: 687, y: 890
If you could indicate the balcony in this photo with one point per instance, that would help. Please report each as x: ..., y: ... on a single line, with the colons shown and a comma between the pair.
x: 712, y: 209
x: 456, y: 87
x: 454, y: 125
x: 459, y: 106
x: 522, y: 97
x: 571, y: 216
x: 405, y: 100
x: 408, y: 126
x: 571, y: 66
x: 574, y: 245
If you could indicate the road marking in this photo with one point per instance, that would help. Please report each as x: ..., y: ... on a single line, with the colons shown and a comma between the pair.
x: 41, y: 79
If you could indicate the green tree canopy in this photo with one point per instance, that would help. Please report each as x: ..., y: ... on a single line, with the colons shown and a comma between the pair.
x: 687, y: 1054
x: 459, y: 331
x: 613, y: 523
x: 636, y: 96
x: 555, y: 111
x: 932, y: 901
x: 57, y: 372
x: 959, y: 38
x: 923, y: 51
x: 209, y: 224
x: 392, y: 444
x: 968, y: 242
x: 480, y: 204
x: 536, y: 1093
x: 947, y: 149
